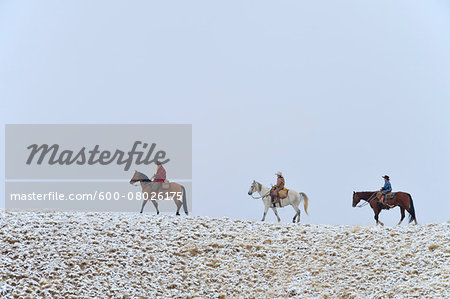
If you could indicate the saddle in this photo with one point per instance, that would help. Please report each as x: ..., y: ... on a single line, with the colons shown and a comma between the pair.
x: 283, y: 193
x: 279, y: 194
x: 165, y: 185
x: 388, y: 195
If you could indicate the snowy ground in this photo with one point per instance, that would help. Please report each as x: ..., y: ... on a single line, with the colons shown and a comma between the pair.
x: 55, y: 254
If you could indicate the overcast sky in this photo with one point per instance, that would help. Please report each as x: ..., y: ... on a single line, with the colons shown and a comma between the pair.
x: 334, y: 94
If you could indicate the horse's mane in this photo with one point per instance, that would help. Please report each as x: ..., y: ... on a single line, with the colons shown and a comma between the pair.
x: 259, y: 186
x: 365, y: 194
x: 144, y: 178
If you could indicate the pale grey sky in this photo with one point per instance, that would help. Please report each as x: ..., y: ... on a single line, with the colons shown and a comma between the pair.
x: 334, y: 94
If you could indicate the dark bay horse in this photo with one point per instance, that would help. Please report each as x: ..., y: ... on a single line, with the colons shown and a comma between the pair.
x: 176, y: 192
x: 400, y: 199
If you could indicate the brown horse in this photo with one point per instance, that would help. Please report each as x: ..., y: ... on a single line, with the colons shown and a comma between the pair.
x: 175, y: 192
x: 400, y: 199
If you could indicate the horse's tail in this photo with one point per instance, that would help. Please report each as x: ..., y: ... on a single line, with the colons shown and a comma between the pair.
x: 185, y: 207
x: 305, y: 203
x: 412, y: 212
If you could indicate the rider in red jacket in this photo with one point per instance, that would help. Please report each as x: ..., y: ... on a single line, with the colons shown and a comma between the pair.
x: 159, y: 177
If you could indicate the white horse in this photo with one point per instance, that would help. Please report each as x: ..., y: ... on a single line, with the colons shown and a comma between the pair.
x: 294, y: 199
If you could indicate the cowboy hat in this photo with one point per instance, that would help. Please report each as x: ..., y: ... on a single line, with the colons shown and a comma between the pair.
x: 279, y: 173
x: 386, y: 177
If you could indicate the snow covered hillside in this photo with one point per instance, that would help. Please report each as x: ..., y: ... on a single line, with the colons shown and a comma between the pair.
x: 75, y: 254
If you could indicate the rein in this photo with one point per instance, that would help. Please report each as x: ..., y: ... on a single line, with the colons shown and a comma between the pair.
x: 370, y: 199
x: 259, y: 197
x: 365, y: 203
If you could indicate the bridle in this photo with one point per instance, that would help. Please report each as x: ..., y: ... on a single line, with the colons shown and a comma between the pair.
x: 258, y: 197
x: 365, y: 203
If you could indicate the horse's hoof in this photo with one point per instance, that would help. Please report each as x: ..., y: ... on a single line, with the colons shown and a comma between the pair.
x: 178, y: 214
x: 157, y: 213
x: 187, y: 213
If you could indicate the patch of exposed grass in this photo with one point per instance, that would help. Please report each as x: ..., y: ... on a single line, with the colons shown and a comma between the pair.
x: 356, y: 229
x: 433, y: 247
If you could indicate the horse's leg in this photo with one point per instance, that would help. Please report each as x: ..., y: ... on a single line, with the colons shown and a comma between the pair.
x: 376, y: 218
x: 155, y: 203
x: 377, y: 209
x: 143, y: 205
x: 378, y: 221
x: 179, y: 204
x: 297, y: 209
x: 176, y: 191
x: 266, y: 208
x: 276, y: 213
x: 402, y: 212
x: 297, y: 214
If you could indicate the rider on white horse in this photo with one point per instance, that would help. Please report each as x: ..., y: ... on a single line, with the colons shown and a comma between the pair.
x: 293, y: 198
x: 275, y: 191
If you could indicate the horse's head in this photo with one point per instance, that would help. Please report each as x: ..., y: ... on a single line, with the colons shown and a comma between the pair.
x: 253, y: 188
x: 356, y: 199
x: 136, y: 177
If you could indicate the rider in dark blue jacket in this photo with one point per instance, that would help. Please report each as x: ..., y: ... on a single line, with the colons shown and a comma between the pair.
x: 386, y: 188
